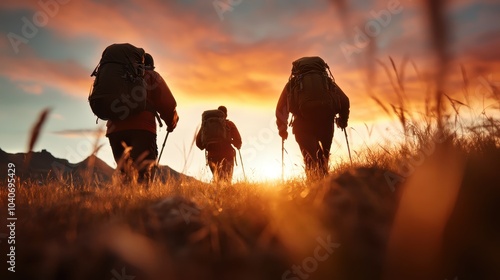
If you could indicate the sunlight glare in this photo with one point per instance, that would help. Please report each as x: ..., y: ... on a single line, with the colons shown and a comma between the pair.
x: 269, y: 170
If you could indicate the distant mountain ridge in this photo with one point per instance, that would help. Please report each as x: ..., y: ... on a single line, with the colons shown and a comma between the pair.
x: 44, y: 167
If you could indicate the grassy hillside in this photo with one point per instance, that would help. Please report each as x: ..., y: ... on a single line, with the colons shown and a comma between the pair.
x: 422, y: 209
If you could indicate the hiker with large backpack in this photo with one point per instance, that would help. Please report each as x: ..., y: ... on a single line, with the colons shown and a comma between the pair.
x: 131, y: 96
x: 314, y: 99
x: 217, y: 136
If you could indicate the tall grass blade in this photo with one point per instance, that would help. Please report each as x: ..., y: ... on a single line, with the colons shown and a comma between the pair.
x: 35, y: 134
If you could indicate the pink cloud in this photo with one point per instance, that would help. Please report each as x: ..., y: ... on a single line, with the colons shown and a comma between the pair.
x: 32, y: 74
x: 31, y: 88
x: 202, y: 58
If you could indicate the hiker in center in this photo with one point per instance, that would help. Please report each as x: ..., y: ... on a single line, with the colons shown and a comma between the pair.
x: 139, y: 131
x: 216, y: 136
x: 314, y: 99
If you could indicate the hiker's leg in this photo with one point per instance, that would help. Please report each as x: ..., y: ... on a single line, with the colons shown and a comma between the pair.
x: 227, y: 167
x: 144, y: 153
x: 230, y: 169
x: 308, y: 145
x: 117, y: 140
x: 215, y: 166
x: 325, y: 138
x: 311, y: 167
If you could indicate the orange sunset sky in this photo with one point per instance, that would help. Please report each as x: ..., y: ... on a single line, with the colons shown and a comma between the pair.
x: 236, y: 53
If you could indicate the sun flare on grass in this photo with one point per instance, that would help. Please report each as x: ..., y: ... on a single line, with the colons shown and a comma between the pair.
x: 270, y: 170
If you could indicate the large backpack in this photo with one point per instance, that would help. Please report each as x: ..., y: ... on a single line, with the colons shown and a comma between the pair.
x: 119, y: 88
x: 312, y: 92
x: 213, y: 128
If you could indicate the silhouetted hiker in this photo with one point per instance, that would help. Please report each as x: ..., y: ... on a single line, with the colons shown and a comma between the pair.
x: 314, y: 99
x: 139, y: 131
x: 216, y: 135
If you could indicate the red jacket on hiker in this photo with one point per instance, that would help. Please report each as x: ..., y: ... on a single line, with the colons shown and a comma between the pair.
x: 160, y: 98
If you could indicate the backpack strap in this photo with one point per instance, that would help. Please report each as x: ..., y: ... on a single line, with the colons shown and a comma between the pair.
x: 151, y: 109
x: 299, y: 77
x: 94, y: 73
x: 292, y: 120
x: 137, y: 71
x: 96, y: 69
x: 328, y: 68
x: 160, y: 123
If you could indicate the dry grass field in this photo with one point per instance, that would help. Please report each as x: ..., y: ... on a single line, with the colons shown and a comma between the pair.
x: 426, y: 208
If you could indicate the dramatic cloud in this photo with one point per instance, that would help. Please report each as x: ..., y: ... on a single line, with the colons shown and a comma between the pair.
x: 245, y: 57
x: 32, y: 73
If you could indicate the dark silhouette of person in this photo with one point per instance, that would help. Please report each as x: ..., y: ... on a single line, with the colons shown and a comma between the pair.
x: 137, y: 133
x: 221, y: 156
x: 314, y: 136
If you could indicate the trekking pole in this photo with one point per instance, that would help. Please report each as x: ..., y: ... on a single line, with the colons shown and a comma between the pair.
x: 347, y: 141
x: 242, y: 166
x: 162, y: 147
x: 157, y: 165
x: 282, y: 160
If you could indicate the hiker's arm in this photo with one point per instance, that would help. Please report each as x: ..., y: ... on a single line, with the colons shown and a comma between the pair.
x: 198, y: 141
x: 344, y: 108
x: 344, y: 105
x: 282, y: 110
x: 235, y: 135
x: 165, y: 103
